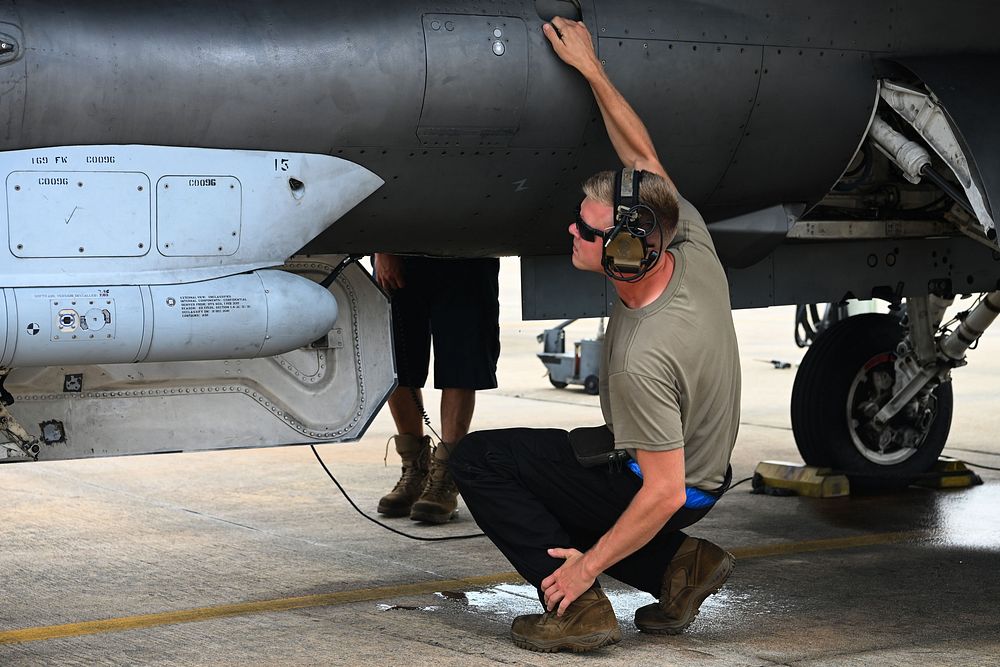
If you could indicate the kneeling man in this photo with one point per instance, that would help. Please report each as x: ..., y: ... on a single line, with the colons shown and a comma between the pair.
x: 670, y: 391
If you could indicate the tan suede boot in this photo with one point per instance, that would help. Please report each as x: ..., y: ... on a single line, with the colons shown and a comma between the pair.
x: 698, y: 569
x: 416, y: 454
x: 439, y: 499
x: 588, y: 623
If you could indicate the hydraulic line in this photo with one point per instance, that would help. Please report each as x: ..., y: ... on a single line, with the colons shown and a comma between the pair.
x: 913, y: 160
x: 946, y: 187
x: 974, y: 325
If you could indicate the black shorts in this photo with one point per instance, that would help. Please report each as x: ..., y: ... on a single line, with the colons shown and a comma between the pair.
x: 455, y: 302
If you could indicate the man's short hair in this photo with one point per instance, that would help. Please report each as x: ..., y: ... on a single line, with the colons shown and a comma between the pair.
x: 654, y: 192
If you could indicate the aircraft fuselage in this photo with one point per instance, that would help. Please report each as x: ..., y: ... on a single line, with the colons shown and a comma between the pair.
x: 481, y: 135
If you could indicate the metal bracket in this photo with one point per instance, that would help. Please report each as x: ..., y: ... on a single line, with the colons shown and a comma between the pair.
x: 835, y: 230
x: 923, y: 321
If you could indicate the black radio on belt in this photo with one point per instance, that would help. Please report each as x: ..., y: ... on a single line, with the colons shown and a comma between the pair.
x: 595, y: 445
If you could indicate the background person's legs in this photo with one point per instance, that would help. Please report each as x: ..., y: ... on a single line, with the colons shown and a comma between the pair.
x: 412, y: 343
x: 439, y: 499
x: 457, y: 406
x: 414, y: 451
x: 405, y: 413
x: 464, y: 311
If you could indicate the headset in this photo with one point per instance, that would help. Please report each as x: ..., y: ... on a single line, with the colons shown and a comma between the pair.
x: 627, y: 255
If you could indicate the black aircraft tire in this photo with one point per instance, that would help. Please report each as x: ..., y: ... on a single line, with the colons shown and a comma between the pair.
x: 820, y: 419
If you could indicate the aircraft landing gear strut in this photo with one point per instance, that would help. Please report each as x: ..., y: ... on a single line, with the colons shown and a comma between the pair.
x: 873, y: 397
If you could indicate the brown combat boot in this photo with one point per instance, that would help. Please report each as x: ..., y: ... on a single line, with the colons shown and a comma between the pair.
x: 587, y: 624
x: 439, y: 499
x: 698, y: 569
x: 416, y: 454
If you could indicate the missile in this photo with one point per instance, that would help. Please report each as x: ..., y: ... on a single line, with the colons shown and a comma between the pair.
x: 256, y: 314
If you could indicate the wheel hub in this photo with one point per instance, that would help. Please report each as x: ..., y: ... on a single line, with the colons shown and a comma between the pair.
x: 896, y: 441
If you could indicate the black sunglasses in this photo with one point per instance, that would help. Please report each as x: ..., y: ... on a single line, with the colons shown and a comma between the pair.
x: 586, y: 232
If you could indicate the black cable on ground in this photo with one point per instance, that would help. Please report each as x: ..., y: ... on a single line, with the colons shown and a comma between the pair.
x: 733, y: 486
x: 912, y: 475
x: 376, y: 521
x: 979, y: 465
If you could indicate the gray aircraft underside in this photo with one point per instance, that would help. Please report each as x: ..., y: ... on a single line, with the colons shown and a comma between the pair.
x: 837, y: 149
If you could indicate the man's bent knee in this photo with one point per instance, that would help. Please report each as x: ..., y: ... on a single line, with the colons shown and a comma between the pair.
x: 482, y: 450
x: 467, y: 453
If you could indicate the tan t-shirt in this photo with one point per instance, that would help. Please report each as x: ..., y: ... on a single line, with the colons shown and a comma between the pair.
x: 670, y: 375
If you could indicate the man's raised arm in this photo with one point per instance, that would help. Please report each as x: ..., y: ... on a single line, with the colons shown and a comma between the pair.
x: 572, y: 43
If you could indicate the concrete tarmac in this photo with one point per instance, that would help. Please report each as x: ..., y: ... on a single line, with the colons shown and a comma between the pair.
x: 254, y: 558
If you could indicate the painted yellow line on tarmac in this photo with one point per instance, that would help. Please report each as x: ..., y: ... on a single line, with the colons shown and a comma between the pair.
x: 243, y: 608
x: 830, y: 544
x: 125, y: 623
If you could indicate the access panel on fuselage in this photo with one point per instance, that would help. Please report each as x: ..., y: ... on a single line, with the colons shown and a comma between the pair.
x: 477, y: 75
x: 811, y: 113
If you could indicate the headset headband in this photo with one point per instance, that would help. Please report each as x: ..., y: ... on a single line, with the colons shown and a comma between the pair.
x: 627, y: 190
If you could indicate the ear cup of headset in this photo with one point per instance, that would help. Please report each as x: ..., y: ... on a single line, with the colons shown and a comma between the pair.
x: 625, y: 254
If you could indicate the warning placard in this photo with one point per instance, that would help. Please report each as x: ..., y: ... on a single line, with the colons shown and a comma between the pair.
x: 215, y: 304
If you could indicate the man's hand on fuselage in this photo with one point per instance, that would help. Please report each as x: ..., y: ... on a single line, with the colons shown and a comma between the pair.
x: 389, y: 271
x: 572, y: 42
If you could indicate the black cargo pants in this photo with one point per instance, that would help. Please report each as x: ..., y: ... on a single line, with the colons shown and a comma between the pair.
x: 528, y: 493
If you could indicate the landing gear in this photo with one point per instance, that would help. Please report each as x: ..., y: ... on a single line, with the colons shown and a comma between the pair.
x: 17, y: 444
x: 846, y: 378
